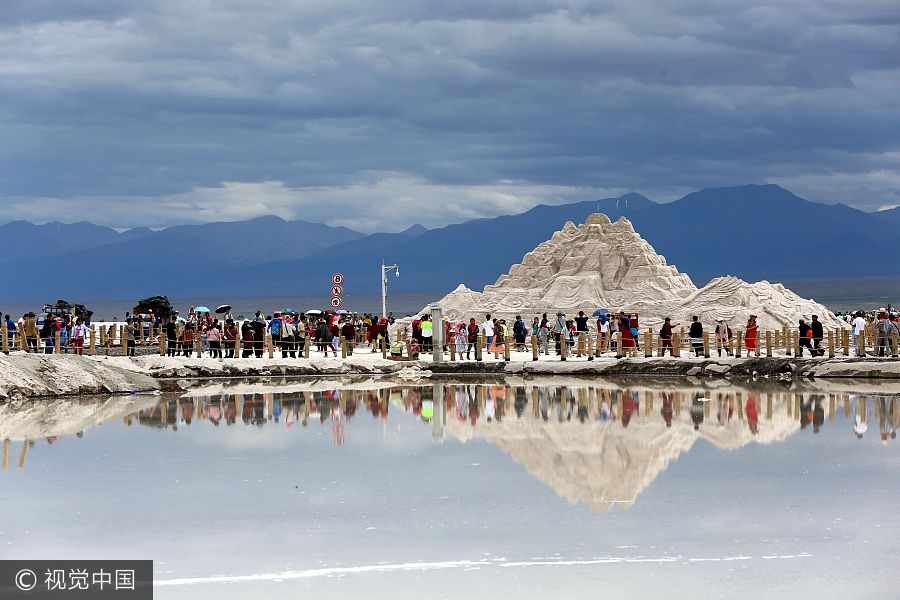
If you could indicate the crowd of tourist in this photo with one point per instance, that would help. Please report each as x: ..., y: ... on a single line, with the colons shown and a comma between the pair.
x: 324, y: 332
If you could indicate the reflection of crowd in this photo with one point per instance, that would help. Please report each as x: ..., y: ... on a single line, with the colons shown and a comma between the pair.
x: 485, y: 404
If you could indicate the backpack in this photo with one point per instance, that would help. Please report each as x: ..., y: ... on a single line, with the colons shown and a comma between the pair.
x: 275, y: 326
x: 662, y: 332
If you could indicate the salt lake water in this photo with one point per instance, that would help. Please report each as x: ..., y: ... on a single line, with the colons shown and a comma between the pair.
x: 481, y: 488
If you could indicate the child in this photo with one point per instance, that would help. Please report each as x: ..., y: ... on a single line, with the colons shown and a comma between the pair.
x: 462, y: 339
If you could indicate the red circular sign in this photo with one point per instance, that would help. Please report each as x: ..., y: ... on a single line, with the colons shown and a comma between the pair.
x: 337, y: 290
x: 337, y: 279
x: 335, y: 302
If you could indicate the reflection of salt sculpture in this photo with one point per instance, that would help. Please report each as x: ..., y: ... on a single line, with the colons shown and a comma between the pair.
x: 604, y: 264
x: 604, y: 463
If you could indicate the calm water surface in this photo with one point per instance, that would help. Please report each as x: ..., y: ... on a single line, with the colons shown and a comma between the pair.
x: 479, y: 489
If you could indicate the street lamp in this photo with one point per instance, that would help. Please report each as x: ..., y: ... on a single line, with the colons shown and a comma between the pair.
x: 385, y: 269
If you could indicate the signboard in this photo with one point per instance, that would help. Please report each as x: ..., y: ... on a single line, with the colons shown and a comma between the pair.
x: 337, y: 289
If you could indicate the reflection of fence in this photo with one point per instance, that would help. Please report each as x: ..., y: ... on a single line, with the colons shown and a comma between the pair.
x: 122, y: 339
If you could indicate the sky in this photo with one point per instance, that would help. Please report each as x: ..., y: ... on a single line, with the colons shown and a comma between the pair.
x: 378, y: 115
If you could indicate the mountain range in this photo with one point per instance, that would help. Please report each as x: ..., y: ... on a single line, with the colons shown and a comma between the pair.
x: 753, y: 232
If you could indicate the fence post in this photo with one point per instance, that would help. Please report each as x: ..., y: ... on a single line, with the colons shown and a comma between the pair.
x: 769, y: 343
x: 270, y: 348
x: 830, y: 344
x: 705, y: 344
x: 786, y: 338
x: 648, y: 343
x: 861, y: 340
x: 409, y: 354
x: 103, y: 338
x: 796, y: 343
x: 343, y: 344
x: 845, y: 339
x: 894, y: 343
x: 453, y: 352
x: 384, y: 346
x: 5, y: 337
x: 676, y: 344
x: 738, y: 343
x: 20, y: 338
x: 237, y: 343
x: 619, y: 350
x: 478, y: 345
x: 534, y: 347
x: 306, y: 346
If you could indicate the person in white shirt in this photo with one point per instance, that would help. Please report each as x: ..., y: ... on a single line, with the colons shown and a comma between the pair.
x: 859, y: 325
x: 78, y: 335
x: 488, y: 328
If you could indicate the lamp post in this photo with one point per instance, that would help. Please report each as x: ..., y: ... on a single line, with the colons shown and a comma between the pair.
x: 385, y: 269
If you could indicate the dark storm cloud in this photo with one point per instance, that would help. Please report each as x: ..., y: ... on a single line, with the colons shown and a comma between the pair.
x: 379, y: 116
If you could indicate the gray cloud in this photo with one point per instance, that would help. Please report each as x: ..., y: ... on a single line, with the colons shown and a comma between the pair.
x: 139, y: 113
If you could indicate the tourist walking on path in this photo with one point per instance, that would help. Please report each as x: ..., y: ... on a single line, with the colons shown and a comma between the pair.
x: 498, y: 346
x: 625, y: 329
x: 214, y: 337
x: 665, y: 335
x: 230, y: 334
x: 487, y: 328
x: 128, y: 342
x: 31, y: 333
x: 603, y: 331
x: 858, y: 327
x: 47, y: 334
x: 544, y: 336
x: 171, y: 336
x: 751, y: 337
x: 882, y: 332
x: 560, y: 330
x: 78, y: 334
x: 696, y: 335
x: 723, y: 337
x: 805, y: 338
x: 427, y: 334
x: 472, y: 338
x: 817, y: 334
x: 461, y: 339
x: 519, y: 333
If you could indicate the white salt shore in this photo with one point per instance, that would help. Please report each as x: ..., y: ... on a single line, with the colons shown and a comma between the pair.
x: 35, y: 375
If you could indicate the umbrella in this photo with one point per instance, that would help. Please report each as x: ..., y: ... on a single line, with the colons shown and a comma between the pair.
x: 223, y: 308
x: 288, y: 310
x: 314, y: 312
x: 181, y: 320
x: 600, y: 311
x: 201, y: 309
x: 341, y: 312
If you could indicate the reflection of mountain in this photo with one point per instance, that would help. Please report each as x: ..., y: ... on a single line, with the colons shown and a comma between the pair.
x: 50, y: 418
x: 604, y: 463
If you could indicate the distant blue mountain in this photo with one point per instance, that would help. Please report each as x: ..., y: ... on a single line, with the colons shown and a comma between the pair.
x: 23, y: 241
x: 145, y: 262
x: 752, y: 231
x: 891, y: 215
